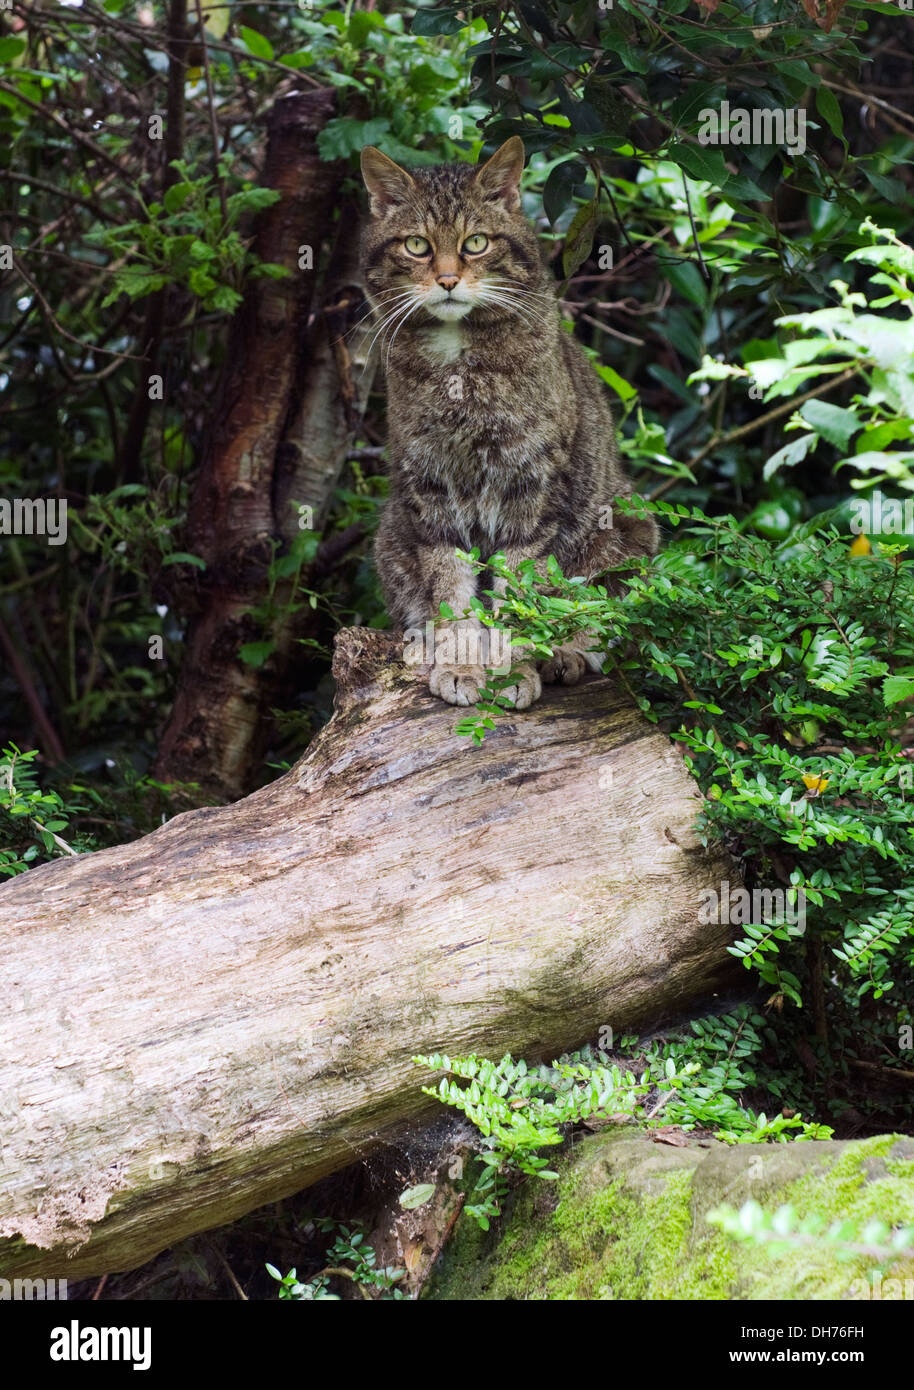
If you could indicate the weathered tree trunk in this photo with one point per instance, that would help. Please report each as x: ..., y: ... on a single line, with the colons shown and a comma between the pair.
x: 217, y: 1015
x: 261, y: 457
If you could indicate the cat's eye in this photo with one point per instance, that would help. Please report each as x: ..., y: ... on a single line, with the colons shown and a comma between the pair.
x: 417, y: 245
x: 476, y: 243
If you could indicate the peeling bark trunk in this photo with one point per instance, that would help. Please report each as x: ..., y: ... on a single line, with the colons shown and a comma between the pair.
x: 278, y: 401
x: 333, y: 392
x: 221, y: 1013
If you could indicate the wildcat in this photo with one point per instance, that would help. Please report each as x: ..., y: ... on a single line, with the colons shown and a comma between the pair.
x: 500, y: 436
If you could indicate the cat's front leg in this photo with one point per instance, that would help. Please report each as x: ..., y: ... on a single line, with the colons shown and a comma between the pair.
x: 526, y: 685
x: 458, y: 670
x: 457, y: 674
x: 568, y: 662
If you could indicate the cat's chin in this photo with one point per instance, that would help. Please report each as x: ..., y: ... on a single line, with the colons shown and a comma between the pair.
x: 449, y: 310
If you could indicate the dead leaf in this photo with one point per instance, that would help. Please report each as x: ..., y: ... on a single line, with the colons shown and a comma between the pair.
x: 670, y: 1134
x: 579, y: 237
x: 827, y: 20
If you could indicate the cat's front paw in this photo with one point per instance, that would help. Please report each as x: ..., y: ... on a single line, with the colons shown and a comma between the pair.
x: 566, y: 667
x: 525, y: 687
x: 458, y: 685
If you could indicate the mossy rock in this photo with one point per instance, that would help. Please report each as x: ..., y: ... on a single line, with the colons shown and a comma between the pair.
x: 627, y: 1220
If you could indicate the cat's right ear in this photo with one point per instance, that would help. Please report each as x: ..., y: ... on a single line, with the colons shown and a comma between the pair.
x: 386, y: 182
x: 500, y: 176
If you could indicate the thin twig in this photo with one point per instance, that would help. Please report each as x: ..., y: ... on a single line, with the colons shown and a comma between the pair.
x: 210, y: 101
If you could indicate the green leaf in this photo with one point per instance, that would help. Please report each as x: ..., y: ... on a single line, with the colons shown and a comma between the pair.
x: 791, y: 454
x: 886, y: 340
x: 560, y: 185
x: 897, y: 690
x: 830, y: 111
x: 433, y: 75
x: 361, y: 22
x: 893, y: 190
x: 700, y: 163
x: 343, y: 136
x: 256, y: 653
x: 11, y: 48
x: 417, y: 1196
x: 256, y: 43
x: 176, y: 196
x: 623, y: 389
x: 429, y: 23
x: 742, y: 187
x: 181, y: 557
x: 685, y: 277
x: 832, y: 422
x: 631, y: 56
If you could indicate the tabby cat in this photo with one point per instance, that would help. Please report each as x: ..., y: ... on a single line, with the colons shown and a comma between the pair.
x: 500, y: 436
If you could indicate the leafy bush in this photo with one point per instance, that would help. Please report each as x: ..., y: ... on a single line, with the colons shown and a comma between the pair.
x: 32, y: 818
x: 348, y: 1258
x: 848, y: 340
x: 519, y: 1110
x: 192, y: 239
x: 784, y: 670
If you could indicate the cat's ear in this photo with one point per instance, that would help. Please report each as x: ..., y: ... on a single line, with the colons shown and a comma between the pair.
x: 499, y: 177
x: 386, y: 182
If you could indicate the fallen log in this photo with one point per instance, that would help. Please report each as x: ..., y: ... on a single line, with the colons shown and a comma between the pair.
x: 217, y: 1015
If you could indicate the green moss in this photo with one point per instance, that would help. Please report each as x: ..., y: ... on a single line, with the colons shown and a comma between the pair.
x: 626, y: 1220
x: 862, y: 1184
x: 599, y: 1241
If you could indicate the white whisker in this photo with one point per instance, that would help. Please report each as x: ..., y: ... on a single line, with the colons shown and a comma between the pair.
x: 417, y: 305
x: 526, y: 313
x: 400, y: 311
x: 383, y: 304
x: 386, y: 322
x: 506, y: 288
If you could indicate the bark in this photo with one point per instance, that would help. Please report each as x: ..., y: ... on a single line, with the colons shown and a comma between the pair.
x: 333, y: 391
x: 219, y: 1014
x: 278, y: 403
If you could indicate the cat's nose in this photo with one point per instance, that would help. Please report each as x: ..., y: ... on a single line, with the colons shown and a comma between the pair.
x: 447, y: 282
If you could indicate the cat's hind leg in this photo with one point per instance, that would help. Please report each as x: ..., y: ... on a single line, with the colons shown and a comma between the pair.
x: 572, y: 660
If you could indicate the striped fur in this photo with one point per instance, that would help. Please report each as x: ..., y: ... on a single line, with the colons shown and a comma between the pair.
x: 500, y: 436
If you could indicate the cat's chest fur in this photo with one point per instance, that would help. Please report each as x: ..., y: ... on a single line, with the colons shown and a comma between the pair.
x: 445, y: 343
x: 476, y: 436
x: 463, y: 409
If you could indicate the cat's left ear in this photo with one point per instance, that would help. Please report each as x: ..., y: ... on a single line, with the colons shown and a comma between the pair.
x: 499, y: 177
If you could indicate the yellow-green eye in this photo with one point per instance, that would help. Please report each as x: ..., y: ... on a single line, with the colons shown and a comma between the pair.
x: 476, y: 243
x: 416, y: 245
